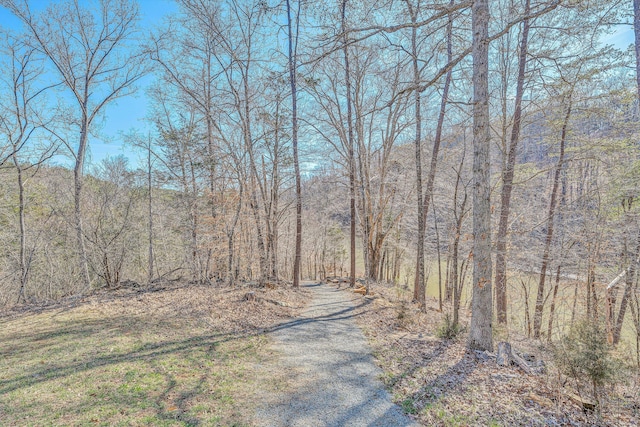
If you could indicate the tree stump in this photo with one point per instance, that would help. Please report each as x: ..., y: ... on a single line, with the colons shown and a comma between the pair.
x: 506, y: 356
x: 250, y: 296
x: 503, y: 358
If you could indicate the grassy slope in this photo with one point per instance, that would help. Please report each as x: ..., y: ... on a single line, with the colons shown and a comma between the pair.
x: 178, y: 357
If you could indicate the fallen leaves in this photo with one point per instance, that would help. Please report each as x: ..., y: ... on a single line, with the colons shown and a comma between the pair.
x: 444, y: 384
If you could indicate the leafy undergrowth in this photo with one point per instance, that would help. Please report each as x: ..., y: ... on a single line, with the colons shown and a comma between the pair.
x: 440, y: 383
x: 178, y: 356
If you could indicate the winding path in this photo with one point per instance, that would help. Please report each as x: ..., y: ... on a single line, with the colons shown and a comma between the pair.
x: 335, y: 381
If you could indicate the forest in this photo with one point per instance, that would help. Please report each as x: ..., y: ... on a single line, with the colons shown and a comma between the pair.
x: 480, y: 156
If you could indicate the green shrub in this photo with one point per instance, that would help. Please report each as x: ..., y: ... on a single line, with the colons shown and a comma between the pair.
x: 585, y: 355
x: 448, y: 330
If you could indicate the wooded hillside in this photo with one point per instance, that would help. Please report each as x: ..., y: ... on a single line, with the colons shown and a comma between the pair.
x: 481, y: 153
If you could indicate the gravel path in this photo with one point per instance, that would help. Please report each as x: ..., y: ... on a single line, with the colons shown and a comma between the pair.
x: 335, y: 381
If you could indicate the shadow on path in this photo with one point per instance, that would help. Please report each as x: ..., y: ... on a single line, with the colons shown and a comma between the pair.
x: 335, y: 381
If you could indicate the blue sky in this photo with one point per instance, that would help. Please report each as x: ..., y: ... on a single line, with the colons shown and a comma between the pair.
x: 129, y: 113
x: 126, y: 113
x: 621, y: 38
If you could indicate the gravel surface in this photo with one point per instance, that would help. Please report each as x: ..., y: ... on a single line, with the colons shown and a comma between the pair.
x: 334, y: 381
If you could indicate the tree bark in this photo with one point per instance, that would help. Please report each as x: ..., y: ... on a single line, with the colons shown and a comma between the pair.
x: 540, y: 298
x: 552, y: 309
x: 83, y: 263
x: 150, y: 212
x: 428, y: 191
x: 507, y: 177
x: 628, y: 289
x: 275, y: 196
x: 22, y: 257
x: 480, y: 333
x: 350, y: 148
x: 455, y: 280
x: 419, y: 291
x: 438, y: 253
x: 294, y: 139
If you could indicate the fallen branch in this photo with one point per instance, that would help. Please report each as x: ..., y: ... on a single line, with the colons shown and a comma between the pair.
x: 586, y: 404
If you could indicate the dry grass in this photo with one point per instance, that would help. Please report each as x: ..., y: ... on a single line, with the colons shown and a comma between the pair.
x: 177, y: 356
x: 442, y: 384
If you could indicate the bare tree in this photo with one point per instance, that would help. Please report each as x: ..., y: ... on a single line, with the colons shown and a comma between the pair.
x: 89, y: 51
x: 508, y: 173
x: 150, y: 209
x: 537, y: 318
x: 633, y: 259
x: 350, y: 149
x: 293, y: 55
x: 419, y: 290
x: 480, y: 332
x: 111, y: 219
x: 20, y: 119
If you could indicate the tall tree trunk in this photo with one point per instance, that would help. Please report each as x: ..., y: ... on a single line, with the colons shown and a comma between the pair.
x: 22, y: 256
x: 628, y: 289
x: 231, y: 273
x: 210, y: 164
x: 507, y: 177
x: 554, y: 297
x: 592, y: 303
x: 83, y: 262
x: 275, y: 196
x: 589, y: 276
x: 294, y: 139
x: 456, y: 283
x: 454, y: 277
x: 540, y: 298
x: 428, y: 191
x: 419, y: 286
x: 195, y: 241
x: 438, y: 252
x: 363, y: 158
x: 150, y: 212
x: 427, y: 197
x: 480, y: 333
x: 351, y: 159
x: 254, y: 182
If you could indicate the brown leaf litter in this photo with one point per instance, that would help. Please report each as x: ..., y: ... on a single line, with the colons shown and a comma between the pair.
x: 440, y: 382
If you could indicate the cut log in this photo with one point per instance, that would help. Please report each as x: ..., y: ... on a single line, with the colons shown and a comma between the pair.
x: 503, y: 357
x: 543, y: 402
x: 362, y: 290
